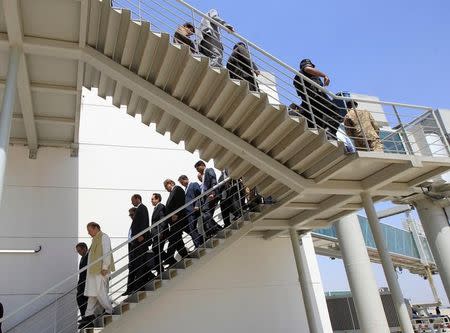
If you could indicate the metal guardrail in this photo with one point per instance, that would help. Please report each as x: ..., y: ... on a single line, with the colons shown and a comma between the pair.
x: 322, y: 108
x: 60, y: 314
x: 398, y: 241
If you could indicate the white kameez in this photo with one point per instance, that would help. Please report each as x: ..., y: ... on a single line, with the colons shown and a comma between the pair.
x: 97, y: 284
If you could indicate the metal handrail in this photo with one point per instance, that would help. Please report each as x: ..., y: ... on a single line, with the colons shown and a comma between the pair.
x: 320, y: 113
x: 295, y: 71
x: 48, y: 291
x: 234, y: 188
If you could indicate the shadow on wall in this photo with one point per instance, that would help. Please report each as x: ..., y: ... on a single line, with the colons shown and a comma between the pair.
x: 39, y: 208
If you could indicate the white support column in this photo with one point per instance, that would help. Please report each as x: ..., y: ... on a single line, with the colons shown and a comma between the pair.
x: 9, y: 98
x: 437, y: 230
x: 310, y: 283
x: 371, y: 316
x: 388, y: 266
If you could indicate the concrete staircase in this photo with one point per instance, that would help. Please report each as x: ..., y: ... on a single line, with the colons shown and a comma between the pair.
x: 158, y: 287
x: 202, y: 106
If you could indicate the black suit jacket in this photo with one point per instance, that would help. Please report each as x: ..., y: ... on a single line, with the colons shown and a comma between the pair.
x: 158, y: 213
x: 193, y: 190
x: 176, y: 200
x: 140, y: 222
x: 209, y: 179
x: 82, y: 275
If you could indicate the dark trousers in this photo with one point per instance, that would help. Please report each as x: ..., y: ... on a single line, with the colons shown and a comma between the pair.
x: 325, y: 113
x: 226, y: 207
x: 82, y: 301
x: 158, y: 253
x: 192, y: 228
x: 137, y: 265
x: 176, y: 242
x: 210, y: 226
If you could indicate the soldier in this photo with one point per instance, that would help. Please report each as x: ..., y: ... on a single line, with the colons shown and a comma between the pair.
x: 359, y: 123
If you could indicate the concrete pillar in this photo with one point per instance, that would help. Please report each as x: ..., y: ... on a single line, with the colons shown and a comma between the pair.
x: 437, y: 231
x: 371, y: 316
x: 9, y: 98
x: 310, y: 283
x: 388, y: 266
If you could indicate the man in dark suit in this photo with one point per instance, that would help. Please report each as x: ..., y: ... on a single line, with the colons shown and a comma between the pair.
x: 137, y: 249
x: 209, y: 203
x: 229, y: 199
x: 177, y: 221
x: 82, y: 250
x: 193, y: 190
x: 160, y: 233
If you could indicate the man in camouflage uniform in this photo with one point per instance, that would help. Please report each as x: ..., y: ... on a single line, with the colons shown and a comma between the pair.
x: 359, y: 124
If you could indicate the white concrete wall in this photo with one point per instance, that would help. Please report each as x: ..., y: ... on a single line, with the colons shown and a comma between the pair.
x: 40, y: 207
x: 254, y: 285
x: 251, y: 287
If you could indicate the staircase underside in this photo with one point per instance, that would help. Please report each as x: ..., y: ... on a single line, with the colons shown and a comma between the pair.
x: 71, y: 44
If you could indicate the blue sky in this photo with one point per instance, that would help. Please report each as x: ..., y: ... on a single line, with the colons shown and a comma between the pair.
x: 397, y: 50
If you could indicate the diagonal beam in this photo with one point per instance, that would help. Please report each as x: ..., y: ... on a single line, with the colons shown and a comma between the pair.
x: 84, y: 17
x: 196, y: 120
x: 13, y: 20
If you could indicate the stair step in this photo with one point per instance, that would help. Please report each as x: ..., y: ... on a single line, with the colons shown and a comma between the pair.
x: 212, y: 243
x: 169, y: 274
x: 141, y: 295
x: 91, y: 330
x: 153, y: 285
x: 108, y: 319
x: 225, y: 233
x: 183, y: 264
x: 236, y: 225
x: 98, y: 322
x: 125, y: 306
x: 197, y: 253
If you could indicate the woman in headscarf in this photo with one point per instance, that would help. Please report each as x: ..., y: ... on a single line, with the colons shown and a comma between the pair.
x: 241, y: 67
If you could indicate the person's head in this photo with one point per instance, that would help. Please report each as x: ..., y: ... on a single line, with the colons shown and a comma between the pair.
x: 81, y: 248
x: 136, y: 199
x: 352, y: 104
x: 294, y: 106
x: 239, y: 44
x: 184, y: 180
x: 200, y: 166
x: 93, y: 228
x: 132, y: 212
x: 189, y: 28
x: 155, y: 199
x: 306, y: 62
x: 169, y: 184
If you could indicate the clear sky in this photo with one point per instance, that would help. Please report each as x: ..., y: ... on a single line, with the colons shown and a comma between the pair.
x: 397, y: 50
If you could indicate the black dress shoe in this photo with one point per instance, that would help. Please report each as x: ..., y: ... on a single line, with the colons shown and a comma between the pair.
x: 87, y: 322
x: 170, y: 262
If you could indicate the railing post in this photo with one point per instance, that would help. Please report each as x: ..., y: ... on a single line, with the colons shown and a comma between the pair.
x: 313, y: 118
x: 240, y: 198
x: 402, y: 129
x: 441, y: 132
x: 159, y: 249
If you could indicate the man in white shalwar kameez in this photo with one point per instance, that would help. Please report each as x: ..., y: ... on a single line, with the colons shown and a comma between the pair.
x: 98, y: 273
